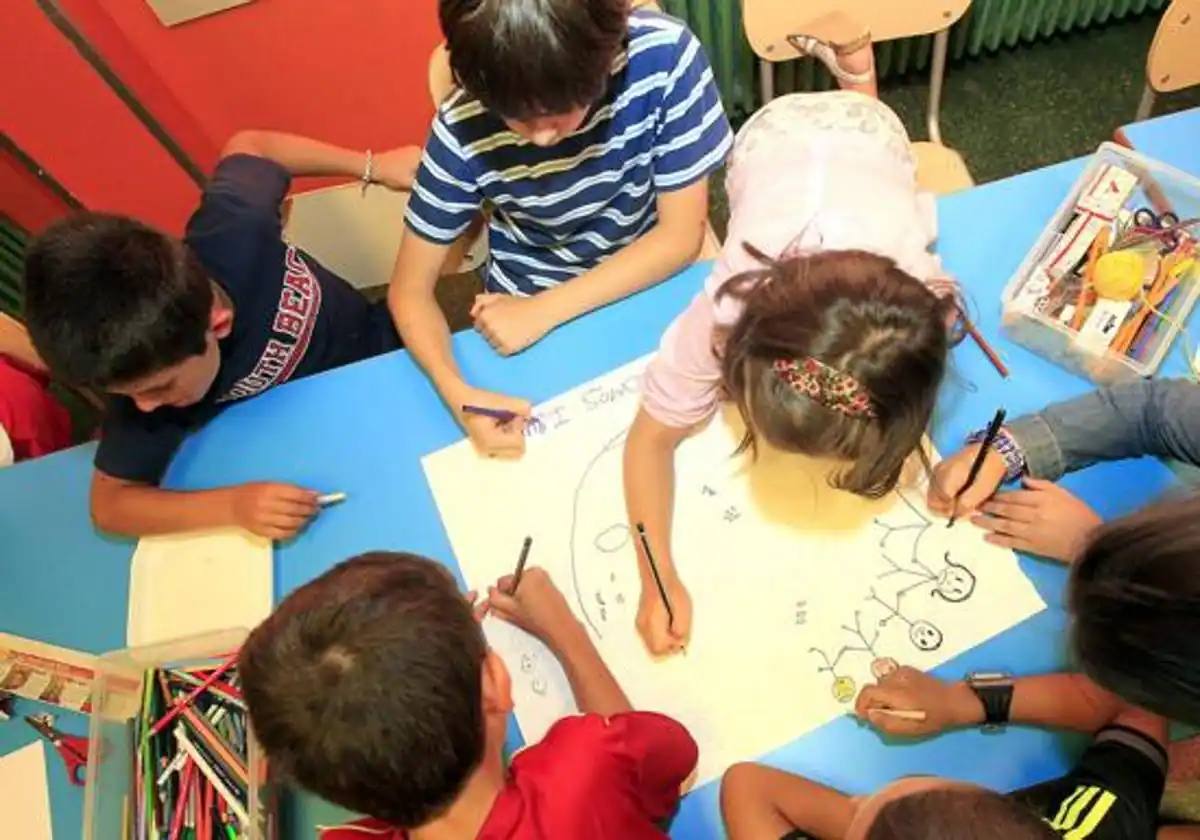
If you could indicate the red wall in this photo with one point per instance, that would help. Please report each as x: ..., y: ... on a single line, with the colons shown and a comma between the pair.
x: 60, y: 113
x: 27, y: 201
x: 348, y: 71
x: 351, y: 72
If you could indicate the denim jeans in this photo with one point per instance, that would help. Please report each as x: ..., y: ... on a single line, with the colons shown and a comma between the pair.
x: 1158, y: 417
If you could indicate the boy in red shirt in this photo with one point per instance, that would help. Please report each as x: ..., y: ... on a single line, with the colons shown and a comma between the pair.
x: 373, y: 687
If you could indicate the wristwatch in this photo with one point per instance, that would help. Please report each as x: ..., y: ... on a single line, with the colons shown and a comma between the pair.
x: 995, y: 691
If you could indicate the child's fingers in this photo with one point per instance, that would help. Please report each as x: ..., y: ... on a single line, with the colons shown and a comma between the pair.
x: 1037, y: 483
x: 1010, y: 511
x: 502, y: 602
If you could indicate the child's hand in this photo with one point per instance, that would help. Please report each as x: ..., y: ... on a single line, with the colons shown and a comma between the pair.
x: 661, y: 635
x: 396, y: 168
x: 510, y: 324
x: 270, y: 509
x: 945, y: 704
x: 951, y: 474
x: 537, y: 607
x: 493, y: 438
x: 1042, y: 519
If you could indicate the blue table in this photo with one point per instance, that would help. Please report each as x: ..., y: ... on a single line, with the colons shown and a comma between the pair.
x: 363, y: 429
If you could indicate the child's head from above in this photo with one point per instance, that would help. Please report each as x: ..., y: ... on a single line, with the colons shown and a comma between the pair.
x: 837, y: 354
x: 373, y: 687
x: 114, y: 304
x: 929, y: 808
x: 1135, y: 599
x: 538, y: 64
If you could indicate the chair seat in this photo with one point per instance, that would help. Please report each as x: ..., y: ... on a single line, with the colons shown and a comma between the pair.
x: 940, y: 169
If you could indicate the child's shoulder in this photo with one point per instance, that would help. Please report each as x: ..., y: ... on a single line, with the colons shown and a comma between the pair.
x: 650, y: 27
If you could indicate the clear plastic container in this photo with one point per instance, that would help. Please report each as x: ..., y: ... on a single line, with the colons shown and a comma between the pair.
x: 108, y: 795
x: 1057, y: 341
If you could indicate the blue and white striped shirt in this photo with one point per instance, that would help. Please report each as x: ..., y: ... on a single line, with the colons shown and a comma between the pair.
x: 557, y: 211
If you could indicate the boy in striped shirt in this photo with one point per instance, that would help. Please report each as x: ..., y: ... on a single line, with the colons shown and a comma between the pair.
x: 589, y: 131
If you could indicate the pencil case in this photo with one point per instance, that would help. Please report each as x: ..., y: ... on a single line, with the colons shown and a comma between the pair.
x: 1053, y: 305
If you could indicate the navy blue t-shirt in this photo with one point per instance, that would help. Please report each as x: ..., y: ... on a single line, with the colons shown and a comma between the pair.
x: 292, y: 317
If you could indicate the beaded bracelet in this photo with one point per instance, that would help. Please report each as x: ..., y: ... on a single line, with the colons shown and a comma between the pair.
x: 1007, y: 447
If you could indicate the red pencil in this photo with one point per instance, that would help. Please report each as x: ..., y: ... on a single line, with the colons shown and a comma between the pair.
x: 992, y: 355
x: 196, y: 692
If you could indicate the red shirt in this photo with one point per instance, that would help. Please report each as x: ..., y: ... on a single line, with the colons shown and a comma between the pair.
x: 34, y: 422
x: 590, y: 778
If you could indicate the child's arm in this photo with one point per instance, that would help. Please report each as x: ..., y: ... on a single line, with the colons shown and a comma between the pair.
x: 538, y: 607
x: 649, y: 500
x: 15, y: 343
x: 301, y: 156
x: 1067, y: 701
x: 422, y: 325
x: 760, y: 802
x: 511, y: 323
x: 270, y: 509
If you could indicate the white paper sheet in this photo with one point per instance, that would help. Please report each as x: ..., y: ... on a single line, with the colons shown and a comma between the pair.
x: 796, y: 587
x: 25, y: 794
x: 186, y: 584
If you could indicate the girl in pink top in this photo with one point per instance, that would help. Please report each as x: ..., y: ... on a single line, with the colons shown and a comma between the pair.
x: 823, y: 320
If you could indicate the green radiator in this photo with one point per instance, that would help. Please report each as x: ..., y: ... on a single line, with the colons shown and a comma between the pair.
x: 987, y: 26
x: 12, y: 256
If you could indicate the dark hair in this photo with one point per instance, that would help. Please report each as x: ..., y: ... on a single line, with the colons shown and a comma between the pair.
x: 109, y: 300
x: 855, y: 312
x: 1135, y: 597
x: 528, y: 58
x: 364, y: 687
x: 954, y: 813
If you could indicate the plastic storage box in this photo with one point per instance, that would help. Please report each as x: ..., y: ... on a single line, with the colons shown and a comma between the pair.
x: 107, y: 802
x: 1026, y: 321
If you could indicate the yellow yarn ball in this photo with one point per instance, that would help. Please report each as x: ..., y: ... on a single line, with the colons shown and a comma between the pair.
x: 1119, y: 275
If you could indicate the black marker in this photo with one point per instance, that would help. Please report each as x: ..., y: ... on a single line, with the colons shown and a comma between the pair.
x: 521, y: 565
x: 988, y: 439
x: 662, y: 590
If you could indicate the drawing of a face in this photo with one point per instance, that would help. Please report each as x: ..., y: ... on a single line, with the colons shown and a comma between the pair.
x: 924, y: 635
x: 843, y: 689
x: 956, y: 583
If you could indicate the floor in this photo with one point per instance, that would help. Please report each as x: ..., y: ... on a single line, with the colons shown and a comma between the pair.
x: 1009, y: 112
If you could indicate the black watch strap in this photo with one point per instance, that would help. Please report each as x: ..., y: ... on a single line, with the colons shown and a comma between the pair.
x: 995, y: 692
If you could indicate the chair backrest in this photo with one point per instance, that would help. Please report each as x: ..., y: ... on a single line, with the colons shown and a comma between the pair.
x: 769, y: 22
x: 1174, y: 60
x: 441, y: 79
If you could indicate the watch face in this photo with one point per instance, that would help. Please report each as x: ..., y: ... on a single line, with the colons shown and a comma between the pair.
x: 988, y: 677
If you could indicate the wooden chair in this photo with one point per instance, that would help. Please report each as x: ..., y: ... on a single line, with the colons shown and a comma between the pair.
x: 441, y: 83
x: 768, y: 24
x: 1173, y: 62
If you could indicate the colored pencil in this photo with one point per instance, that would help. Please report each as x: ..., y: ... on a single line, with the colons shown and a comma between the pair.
x: 521, y: 565
x: 983, y: 345
x: 903, y: 714
x: 503, y: 415
x: 662, y: 590
x: 196, y: 692
x: 327, y: 499
x: 989, y: 438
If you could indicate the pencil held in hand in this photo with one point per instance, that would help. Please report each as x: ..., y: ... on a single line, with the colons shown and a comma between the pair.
x: 662, y: 590
x: 525, y: 546
x: 989, y: 438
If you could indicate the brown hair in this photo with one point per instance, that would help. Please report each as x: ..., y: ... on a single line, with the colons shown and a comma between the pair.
x: 855, y: 312
x: 364, y: 687
x: 951, y: 814
x: 1134, y: 595
x: 529, y: 58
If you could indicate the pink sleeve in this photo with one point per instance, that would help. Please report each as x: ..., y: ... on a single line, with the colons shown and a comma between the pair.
x: 682, y: 383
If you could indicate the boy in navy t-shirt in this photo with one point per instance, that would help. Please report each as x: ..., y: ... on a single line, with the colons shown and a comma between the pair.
x: 589, y: 132
x: 175, y: 331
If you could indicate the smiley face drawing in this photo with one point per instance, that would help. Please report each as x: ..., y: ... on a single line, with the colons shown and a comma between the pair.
x: 844, y: 689
x: 924, y: 635
x: 956, y: 583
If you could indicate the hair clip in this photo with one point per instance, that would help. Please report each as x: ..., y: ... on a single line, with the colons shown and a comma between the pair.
x: 832, y: 388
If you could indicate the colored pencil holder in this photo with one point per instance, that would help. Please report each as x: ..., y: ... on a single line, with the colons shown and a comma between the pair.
x: 1043, y: 320
x: 110, y: 794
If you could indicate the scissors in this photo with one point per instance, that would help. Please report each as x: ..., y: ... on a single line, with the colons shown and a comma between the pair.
x: 1147, y: 226
x: 72, y: 748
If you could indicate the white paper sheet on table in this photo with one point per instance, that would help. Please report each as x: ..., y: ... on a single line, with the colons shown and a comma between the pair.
x: 796, y: 587
x: 199, y: 582
x: 25, y: 794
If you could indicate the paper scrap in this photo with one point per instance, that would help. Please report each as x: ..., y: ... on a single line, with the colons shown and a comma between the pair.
x: 187, y: 584
x: 25, y: 794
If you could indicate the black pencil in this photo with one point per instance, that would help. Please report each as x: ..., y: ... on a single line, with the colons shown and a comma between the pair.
x: 521, y: 564
x: 662, y: 590
x: 989, y: 438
